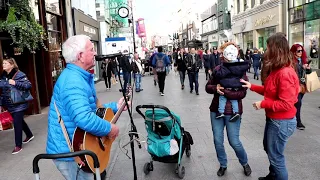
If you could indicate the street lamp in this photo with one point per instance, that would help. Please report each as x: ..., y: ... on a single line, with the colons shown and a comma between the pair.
x: 123, y: 12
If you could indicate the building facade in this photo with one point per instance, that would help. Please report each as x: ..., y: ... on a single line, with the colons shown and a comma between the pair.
x: 254, y: 21
x: 304, y: 27
x: 209, y: 22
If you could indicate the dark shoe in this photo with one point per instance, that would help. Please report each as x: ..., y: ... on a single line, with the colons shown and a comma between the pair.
x: 182, y: 87
x: 219, y: 115
x: 221, y: 171
x: 234, y: 117
x: 254, y: 77
x: 16, y: 150
x: 268, y: 177
x: 301, y: 126
x: 154, y: 82
x: 257, y: 78
x: 247, y: 170
x: 191, y: 91
x: 197, y: 93
x: 28, y: 140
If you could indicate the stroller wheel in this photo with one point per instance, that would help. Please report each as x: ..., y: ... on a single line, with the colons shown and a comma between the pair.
x: 188, y: 152
x: 181, y: 172
x: 147, y: 168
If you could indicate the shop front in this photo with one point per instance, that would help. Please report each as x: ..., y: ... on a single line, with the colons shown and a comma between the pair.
x: 253, y: 28
x: 213, y: 40
x: 304, y: 29
x: 84, y: 24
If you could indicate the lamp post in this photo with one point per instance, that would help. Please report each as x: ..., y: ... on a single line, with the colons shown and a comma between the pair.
x: 123, y: 12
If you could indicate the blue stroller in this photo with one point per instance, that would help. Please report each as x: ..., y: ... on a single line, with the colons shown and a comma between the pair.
x: 167, y: 139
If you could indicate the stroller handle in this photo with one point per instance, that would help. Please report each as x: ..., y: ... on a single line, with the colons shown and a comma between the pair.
x: 150, y: 106
x: 35, y: 162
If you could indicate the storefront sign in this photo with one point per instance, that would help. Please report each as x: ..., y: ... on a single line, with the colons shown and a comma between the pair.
x: 264, y: 20
x: 89, y: 29
x: 213, y: 38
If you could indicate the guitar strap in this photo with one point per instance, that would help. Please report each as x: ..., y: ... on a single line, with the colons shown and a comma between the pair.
x: 65, y: 133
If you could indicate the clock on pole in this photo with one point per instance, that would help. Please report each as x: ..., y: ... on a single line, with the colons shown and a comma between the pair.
x: 123, y: 12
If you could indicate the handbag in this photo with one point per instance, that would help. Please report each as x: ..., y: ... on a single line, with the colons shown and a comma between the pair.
x: 6, y: 120
x: 312, y: 82
x: 18, y: 96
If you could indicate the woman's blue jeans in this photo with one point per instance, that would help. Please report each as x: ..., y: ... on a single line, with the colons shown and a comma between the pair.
x: 276, y: 135
x: 233, y: 133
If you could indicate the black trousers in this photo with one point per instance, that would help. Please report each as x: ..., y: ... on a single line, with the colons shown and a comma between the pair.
x: 207, y: 73
x: 107, y: 81
x: 298, y: 107
x: 19, y: 126
x: 161, y: 80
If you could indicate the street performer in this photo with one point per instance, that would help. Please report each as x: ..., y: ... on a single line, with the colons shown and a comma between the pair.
x: 76, y: 100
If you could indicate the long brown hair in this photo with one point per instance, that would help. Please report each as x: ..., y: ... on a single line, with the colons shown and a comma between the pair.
x: 278, y: 54
x: 12, y: 62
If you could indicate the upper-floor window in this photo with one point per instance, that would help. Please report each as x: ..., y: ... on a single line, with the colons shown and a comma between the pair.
x: 245, y: 5
x: 253, y: 2
x: 238, y: 6
x: 97, y: 5
x: 98, y: 13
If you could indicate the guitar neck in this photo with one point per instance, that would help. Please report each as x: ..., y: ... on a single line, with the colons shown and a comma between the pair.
x: 117, y: 115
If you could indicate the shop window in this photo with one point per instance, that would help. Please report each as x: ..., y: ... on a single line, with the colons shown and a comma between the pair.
x: 311, y: 41
x: 296, y: 14
x: 296, y: 33
x: 53, y: 6
x: 298, y: 2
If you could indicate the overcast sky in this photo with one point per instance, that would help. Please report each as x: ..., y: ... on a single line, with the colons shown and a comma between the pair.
x: 158, y: 13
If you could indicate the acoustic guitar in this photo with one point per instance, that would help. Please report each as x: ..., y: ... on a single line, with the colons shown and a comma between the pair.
x: 101, y: 146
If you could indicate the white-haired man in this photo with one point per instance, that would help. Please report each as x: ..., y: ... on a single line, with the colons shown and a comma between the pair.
x: 75, y: 97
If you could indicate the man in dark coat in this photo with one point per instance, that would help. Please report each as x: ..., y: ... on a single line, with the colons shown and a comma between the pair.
x: 214, y: 58
x: 193, y: 65
x: 126, y: 69
x: 207, y: 66
x: 181, y: 65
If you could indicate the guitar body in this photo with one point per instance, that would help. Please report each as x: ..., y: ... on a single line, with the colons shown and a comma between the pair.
x: 101, y: 146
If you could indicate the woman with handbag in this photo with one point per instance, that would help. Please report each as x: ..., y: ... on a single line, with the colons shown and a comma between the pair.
x: 302, y: 68
x: 15, y: 94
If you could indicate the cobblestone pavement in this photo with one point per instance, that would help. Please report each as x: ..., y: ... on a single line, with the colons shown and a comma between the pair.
x: 302, y: 152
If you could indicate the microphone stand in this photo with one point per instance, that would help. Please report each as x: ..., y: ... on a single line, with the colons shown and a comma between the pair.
x: 133, y: 132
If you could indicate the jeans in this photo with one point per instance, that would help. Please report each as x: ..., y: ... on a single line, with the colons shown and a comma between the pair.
x: 19, y: 126
x: 233, y: 133
x: 298, y: 107
x: 126, y: 79
x: 256, y: 71
x: 223, y: 102
x: 138, y: 81
x: 193, y: 78
x: 161, y: 81
x: 182, y: 77
x: 69, y: 170
x: 276, y: 135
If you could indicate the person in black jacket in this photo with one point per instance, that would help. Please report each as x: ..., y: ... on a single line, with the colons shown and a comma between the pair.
x: 126, y: 69
x: 193, y: 66
x: 181, y: 66
x: 11, y: 78
x: 206, y: 59
x: 107, y: 72
x: 229, y: 73
x: 214, y: 58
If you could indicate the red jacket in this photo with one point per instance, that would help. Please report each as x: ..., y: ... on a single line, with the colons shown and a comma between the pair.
x: 280, y: 93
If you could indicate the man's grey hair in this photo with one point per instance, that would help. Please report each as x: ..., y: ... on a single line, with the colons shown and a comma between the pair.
x: 73, y: 46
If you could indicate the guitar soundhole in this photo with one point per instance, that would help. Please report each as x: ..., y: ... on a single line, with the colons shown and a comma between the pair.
x: 100, y: 112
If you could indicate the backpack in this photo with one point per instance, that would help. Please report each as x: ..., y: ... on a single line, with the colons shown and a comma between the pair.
x: 160, y: 65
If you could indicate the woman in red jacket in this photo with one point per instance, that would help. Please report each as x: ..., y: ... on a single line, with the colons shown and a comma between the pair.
x: 280, y: 91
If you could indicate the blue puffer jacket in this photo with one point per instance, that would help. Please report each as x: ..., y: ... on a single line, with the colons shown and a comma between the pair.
x: 22, y: 84
x: 75, y: 97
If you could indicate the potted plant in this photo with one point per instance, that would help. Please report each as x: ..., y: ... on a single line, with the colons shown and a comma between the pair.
x: 20, y: 24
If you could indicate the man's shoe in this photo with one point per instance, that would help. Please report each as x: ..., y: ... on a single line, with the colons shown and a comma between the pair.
x: 301, y: 126
x: 221, y: 171
x: 219, y: 115
x: 197, y: 93
x: 182, y: 87
x: 162, y: 94
x: 28, y: 139
x: 16, y: 150
x: 234, y: 117
x: 247, y: 170
x: 268, y: 177
x: 154, y: 82
x: 191, y: 91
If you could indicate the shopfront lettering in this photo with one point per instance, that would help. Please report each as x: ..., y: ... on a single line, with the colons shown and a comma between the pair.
x: 264, y: 20
x: 89, y: 30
